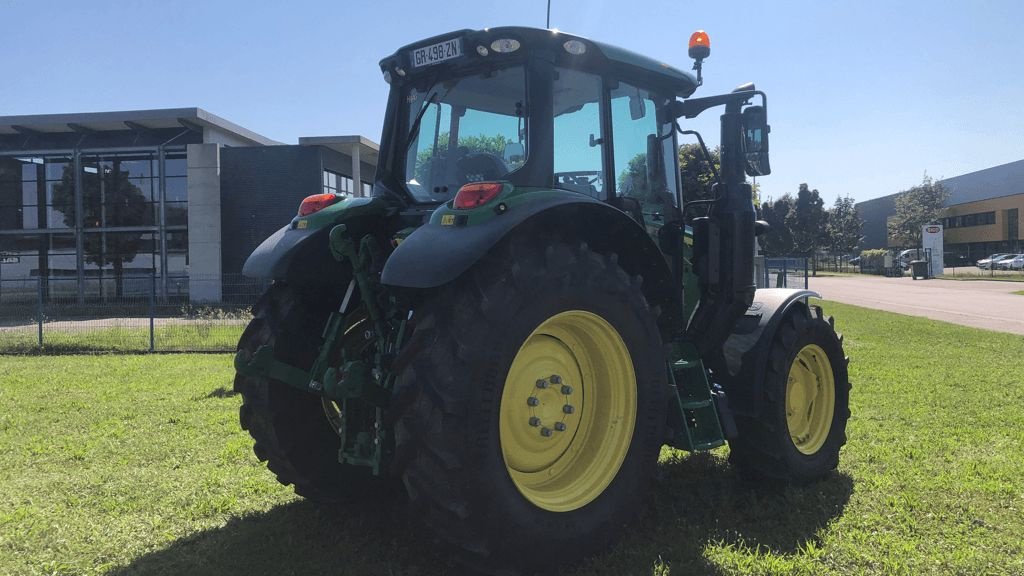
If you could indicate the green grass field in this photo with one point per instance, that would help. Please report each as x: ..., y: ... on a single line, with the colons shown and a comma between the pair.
x: 136, y: 465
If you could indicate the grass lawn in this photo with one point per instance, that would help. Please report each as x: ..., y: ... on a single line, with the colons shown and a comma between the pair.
x: 136, y: 465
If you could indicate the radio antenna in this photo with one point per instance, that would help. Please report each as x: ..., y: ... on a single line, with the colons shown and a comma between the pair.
x: 549, y: 15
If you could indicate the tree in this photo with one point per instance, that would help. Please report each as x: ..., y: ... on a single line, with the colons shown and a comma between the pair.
x: 778, y: 241
x: 109, y: 199
x: 844, y: 226
x: 696, y: 175
x: 920, y: 205
x: 807, y: 221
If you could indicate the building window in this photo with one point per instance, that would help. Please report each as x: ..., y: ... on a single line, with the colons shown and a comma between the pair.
x: 967, y: 220
x: 367, y: 189
x: 335, y: 183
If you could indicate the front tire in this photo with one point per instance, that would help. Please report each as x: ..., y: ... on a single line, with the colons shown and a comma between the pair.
x: 537, y: 413
x: 801, y: 426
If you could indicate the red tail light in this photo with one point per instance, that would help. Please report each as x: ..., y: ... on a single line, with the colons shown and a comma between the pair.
x: 476, y: 194
x: 316, y: 203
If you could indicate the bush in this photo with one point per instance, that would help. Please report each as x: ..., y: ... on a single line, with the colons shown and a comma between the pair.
x: 873, y: 261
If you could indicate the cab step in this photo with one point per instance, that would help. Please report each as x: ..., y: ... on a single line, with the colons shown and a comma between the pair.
x: 698, y: 426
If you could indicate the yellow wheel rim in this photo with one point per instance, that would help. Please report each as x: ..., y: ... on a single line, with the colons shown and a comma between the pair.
x: 810, y: 399
x: 567, y: 411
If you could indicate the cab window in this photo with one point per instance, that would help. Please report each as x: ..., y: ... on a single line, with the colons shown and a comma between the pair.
x: 644, y: 152
x: 578, y: 158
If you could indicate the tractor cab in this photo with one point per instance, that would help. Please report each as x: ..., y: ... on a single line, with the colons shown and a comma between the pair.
x: 536, y: 109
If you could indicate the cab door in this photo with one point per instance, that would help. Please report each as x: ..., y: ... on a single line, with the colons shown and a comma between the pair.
x: 644, y: 158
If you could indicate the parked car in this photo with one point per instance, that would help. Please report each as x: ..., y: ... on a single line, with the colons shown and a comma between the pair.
x: 855, y: 261
x: 987, y: 263
x: 1014, y: 262
x: 907, y: 256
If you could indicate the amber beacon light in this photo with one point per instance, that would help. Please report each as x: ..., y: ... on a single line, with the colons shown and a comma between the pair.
x: 700, y: 48
x: 700, y: 45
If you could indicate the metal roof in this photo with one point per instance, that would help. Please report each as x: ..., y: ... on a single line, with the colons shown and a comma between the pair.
x: 995, y: 182
x: 368, y: 149
x: 127, y: 120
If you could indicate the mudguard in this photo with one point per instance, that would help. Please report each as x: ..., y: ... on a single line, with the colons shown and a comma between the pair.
x: 273, y: 257
x: 740, y: 365
x: 434, y: 254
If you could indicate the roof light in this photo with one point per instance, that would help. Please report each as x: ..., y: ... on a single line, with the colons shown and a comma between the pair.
x: 574, y: 47
x: 700, y: 45
x: 476, y: 194
x: 482, y: 50
x: 387, y: 76
x: 400, y: 71
x: 316, y: 203
x: 505, y: 45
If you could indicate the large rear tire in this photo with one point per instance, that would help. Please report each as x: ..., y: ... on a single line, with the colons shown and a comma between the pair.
x: 289, y: 427
x: 534, y: 419
x: 802, y: 422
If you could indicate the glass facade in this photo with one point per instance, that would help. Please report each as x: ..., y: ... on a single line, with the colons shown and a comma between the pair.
x: 92, y: 224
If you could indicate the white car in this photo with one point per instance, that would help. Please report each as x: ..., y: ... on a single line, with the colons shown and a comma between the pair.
x: 1014, y: 262
x: 988, y: 263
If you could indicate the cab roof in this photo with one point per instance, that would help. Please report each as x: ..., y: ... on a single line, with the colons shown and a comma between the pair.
x: 679, y: 82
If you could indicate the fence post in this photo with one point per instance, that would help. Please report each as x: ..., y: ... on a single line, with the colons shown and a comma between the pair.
x: 805, y: 273
x: 39, y: 307
x: 785, y: 272
x: 152, y: 306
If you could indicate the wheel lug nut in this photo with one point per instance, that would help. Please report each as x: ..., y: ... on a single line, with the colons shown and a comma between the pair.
x: 542, y: 384
x: 534, y: 421
x: 560, y: 426
x: 532, y: 401
x: 568, y: 409
x: 545, y: 432
x: 566, y: 389
x: 556, y: 379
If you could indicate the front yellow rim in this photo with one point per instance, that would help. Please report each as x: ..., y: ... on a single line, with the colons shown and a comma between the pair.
x: 567, y: 411
x: 810, y: 399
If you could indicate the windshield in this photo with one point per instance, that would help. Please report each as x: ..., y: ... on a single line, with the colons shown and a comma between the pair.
x: 467, y: 129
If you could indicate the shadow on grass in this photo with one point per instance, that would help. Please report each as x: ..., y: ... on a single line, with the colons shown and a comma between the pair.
x: 698, y: 501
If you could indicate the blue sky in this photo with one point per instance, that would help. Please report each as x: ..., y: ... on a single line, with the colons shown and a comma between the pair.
x: 864, y: 96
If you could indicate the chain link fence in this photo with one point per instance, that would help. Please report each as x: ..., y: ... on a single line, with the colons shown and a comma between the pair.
x: 136, y: 313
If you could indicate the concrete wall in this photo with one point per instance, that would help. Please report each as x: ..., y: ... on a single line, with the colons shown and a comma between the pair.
x: 262, y: 187
x: 204, y: 223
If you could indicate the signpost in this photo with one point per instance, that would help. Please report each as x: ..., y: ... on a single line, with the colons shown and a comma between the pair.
x: 931, y: 242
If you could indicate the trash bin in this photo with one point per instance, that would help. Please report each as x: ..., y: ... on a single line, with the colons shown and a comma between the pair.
x: 919, y: 268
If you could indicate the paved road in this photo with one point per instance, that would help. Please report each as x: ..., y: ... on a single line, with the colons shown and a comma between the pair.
x: 979, y: 303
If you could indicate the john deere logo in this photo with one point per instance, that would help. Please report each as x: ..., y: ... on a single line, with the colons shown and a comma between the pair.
x: 933, y: 229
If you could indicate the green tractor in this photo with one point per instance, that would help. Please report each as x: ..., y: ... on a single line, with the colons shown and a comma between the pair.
x: 528, y: 307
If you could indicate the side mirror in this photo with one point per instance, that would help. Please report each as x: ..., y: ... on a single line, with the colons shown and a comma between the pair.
x: 755, y: 141
x: 637, y: 107
x: 514, y: 153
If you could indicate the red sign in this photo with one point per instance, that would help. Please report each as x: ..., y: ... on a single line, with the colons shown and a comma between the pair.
x: 933, y: 229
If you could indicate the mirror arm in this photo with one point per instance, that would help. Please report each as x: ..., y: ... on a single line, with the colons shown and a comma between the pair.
x: 704, y: 148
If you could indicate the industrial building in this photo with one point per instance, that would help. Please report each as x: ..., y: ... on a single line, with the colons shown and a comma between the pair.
x: 95, y: 205
x: 984, y: 214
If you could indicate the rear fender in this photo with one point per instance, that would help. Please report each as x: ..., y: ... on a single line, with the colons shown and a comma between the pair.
x: 435, y: 254
x: 741, y: 363
x: 298, y: 252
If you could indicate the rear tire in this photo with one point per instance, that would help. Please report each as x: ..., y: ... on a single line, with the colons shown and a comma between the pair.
x: 289, y: 427
x: 801, y: 426
x: 474, y: 459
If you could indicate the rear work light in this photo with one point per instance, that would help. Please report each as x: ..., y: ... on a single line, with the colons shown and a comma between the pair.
x: 316, y: 203
x: 476, y: 194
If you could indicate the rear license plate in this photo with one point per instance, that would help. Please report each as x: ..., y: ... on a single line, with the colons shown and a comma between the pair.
x: 437, y: 53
